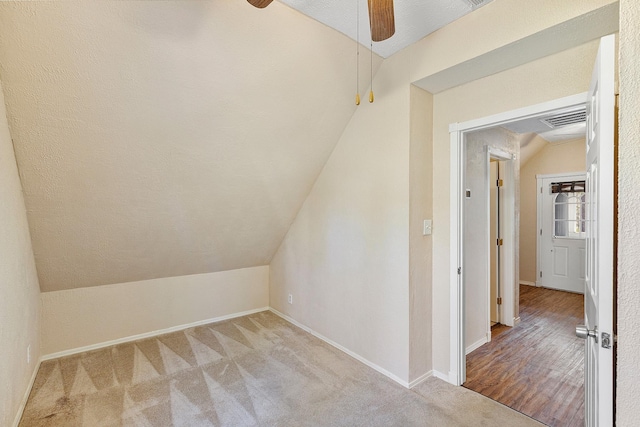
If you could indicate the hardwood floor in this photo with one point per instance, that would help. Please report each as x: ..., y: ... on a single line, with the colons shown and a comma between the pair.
x: 536, y: 367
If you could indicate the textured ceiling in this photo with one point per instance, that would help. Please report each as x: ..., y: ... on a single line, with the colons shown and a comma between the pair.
x: 159, y: 139
x: 414, y: 19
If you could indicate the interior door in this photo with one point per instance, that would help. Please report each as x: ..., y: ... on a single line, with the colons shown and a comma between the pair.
x: 598, y: 328
x: 563, y: 232
x: 494, y: 293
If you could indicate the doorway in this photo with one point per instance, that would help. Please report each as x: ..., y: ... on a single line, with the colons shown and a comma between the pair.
x: 599, y: 315
x: 469, y: 256
x: 459, y: 133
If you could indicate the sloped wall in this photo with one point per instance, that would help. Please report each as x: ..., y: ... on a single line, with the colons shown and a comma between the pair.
x: 163, y: 139
x: 19, y: 292
x: 345, y: 259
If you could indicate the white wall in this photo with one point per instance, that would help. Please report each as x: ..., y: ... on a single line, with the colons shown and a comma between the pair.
x: 568, y: 156
x: 476, y: 246
x: 82, y: 317
x: 345, y: 258
x: 628, y: 375
x: 19, y: 291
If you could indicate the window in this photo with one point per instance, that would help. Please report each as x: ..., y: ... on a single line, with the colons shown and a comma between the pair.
x: 568, y: 215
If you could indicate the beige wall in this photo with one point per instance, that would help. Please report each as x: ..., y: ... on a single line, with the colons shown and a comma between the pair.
x: 420, y: 250
x: 564, y: 157
x: 628, y: 375
x: 476, y: 209
x: 19, y: 291
x: 345, y: 258
x: 556, y: 76
x: 162, y: 139
x: 87, y: 316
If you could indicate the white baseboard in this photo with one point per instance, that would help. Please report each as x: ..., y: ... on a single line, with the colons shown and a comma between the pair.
x: 349, y: 352
x: 524, y: 282
x: 23, y: 402
x: 442, y: 376
x: 149, y: 334
x: 516, y: 320
x: 477, y: 344
x: 422, y: 378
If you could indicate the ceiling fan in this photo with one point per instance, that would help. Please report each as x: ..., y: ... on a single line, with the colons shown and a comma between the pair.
x: 381, y: 19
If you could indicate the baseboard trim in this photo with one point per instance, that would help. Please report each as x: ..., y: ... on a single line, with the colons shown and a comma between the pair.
x: 422, y: 378
x: 149, y: 334
x: 441, y: 376
x: 524, y: 282
x: 477, y: 344
x: 23, y: 402
x: 341, y: 348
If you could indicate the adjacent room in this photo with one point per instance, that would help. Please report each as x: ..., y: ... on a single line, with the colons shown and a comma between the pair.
x: 512, y: 362
x: 230, y: 212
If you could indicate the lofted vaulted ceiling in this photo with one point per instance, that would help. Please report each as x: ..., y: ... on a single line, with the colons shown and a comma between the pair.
x: 159, y: 139
x: 414, y: 19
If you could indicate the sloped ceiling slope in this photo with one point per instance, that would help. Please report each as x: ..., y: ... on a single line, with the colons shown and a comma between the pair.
x: 158, y: 139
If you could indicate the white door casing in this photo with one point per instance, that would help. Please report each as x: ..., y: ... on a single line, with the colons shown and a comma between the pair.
x: 599, y: 345
x: 560, y: 258
x: 457, y: 132
x: 494, y: 293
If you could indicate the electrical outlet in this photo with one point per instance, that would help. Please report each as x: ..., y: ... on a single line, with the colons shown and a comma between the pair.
x: 290, y: 299
x: 28, y: 354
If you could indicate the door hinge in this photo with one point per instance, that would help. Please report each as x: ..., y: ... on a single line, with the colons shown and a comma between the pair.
x: 499, y: 300
x: 499, y: 242
x: 541, y: 274
x: 499, y: 183
x: 540, y: 190
x: 459, y: 270
x: 541, y: 231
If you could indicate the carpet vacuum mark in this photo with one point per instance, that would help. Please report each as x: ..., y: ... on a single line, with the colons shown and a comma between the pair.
x: 256, y: 370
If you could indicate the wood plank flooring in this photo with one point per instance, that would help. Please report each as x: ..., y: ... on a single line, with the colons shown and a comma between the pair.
x: 536, y: 367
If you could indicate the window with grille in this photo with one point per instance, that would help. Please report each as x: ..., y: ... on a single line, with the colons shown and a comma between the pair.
x: 568, y: 214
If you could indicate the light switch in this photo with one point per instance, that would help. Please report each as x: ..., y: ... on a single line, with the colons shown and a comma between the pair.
x: 426, y: 231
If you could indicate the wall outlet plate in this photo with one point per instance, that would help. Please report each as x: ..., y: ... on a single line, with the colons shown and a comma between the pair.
x: 290, y: 299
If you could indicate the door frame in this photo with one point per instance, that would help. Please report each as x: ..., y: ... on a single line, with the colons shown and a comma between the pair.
x: 539, y: 214
x: 506, y: 273
x: 457, y: 131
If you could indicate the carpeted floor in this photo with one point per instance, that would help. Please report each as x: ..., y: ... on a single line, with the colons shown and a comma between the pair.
x: 257, y: 370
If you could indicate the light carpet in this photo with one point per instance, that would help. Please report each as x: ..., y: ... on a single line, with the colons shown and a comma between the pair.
x: 256, y: 370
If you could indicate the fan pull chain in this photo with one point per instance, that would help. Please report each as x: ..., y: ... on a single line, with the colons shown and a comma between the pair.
x: 371, y: 91
x: 357, y: 52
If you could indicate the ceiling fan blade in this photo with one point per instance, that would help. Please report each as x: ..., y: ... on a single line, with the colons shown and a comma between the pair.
x: 261, y: 4
x: 381, y: 19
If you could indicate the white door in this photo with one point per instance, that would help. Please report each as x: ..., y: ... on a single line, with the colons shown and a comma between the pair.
x: 561, y: 240
x: 598, y: 298
x: 494, y: 266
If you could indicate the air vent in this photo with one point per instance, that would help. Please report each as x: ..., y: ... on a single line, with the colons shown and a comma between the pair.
x: 477, y: 3
x: 565, y: 119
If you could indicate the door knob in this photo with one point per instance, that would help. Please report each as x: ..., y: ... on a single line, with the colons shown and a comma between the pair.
x: 583, y: 332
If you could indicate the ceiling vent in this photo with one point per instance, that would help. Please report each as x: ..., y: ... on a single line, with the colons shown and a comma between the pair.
x: 477, y: 3
x: 565, y: 119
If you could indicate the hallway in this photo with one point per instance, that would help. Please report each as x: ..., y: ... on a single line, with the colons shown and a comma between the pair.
x: 536, y: 367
